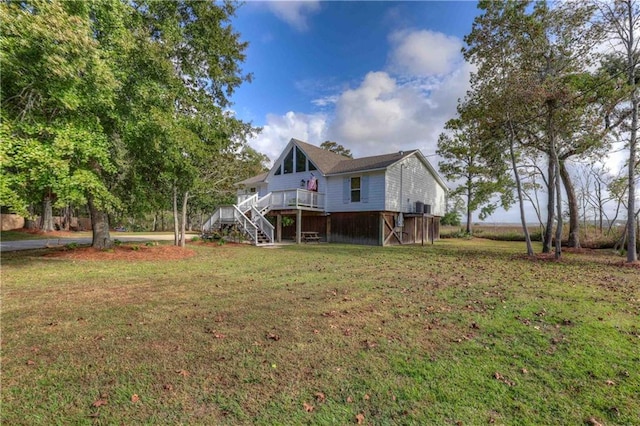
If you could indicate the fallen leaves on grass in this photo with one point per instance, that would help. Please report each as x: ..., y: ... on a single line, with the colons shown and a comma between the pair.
x: 135, y: 398
x: 320, y: 397
x: 183, y: 373
x: 593, y: 422
x: 307, y: 407
x: 503, y: 379
x: 273, y: 336
x: 125, y: 252
x: 99, y: 403
x: 31, y: 362
x: 360, y: 418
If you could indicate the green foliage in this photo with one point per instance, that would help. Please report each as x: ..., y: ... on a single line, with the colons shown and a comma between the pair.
x: 451, y: 219
x: 336, y: 148
x: 287, y: 221
x: 471, y: 157
x: 98, y: 101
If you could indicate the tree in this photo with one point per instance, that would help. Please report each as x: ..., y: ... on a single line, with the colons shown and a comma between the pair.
x: 622, y: 18
x: 468, y: 157
x: 336, y: 148
x: 54, y: 79
x: 528, y: 57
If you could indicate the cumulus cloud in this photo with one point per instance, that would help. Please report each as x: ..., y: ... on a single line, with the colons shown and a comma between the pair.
x: 386, y: 111
x: 424, y: 53
x: 281, y: 128
x: 383, y: 115
x: 295, y: 13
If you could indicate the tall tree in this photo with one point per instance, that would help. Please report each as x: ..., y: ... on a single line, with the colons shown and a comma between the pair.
x: 54, y: 79
x: 468, y: 157
x: 622, y: 20
x: 527, y: 56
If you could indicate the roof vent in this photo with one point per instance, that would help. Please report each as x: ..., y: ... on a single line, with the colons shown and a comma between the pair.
x: 401, y: 152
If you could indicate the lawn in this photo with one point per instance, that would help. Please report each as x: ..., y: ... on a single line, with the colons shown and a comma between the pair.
x: 461, y: 332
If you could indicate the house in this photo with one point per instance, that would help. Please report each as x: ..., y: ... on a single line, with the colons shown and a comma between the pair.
x: 313, y: 193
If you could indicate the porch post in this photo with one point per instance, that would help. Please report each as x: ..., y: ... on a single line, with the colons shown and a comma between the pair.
x: 298, y: 226
x: 328, y: 228
x: 381, y: 230
x: 279, y: 228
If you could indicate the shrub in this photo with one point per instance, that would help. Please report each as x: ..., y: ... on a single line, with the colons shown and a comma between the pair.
x: 117, y: 242
x: 135, y: 247
x: 451, y: 219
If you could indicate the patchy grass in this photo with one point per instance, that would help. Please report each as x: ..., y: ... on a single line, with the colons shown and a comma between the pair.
x: 462, y: 331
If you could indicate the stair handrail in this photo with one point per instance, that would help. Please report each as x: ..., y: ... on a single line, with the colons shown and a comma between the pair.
x: 250, y: 228
x: 246, y: 204
x: 261, y: 222
x: 264, y: 204
x: 213, y: 219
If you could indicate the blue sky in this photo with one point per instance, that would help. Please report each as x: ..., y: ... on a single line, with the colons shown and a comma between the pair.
x: 374, y: 76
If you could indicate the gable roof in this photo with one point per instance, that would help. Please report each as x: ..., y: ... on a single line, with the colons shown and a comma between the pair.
x: 324, y: 160
x: 375, y: 162
x: 330, y: 163
x: 255, y: 179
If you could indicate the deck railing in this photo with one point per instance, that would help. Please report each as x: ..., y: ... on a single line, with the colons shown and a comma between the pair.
x: 297, y: 198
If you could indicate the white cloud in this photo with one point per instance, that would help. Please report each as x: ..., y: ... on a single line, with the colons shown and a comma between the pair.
x: 280, y: 129
x: 384, y: 112
x: 424, y: 53
x: 383, y: 115
x: 295, y: 13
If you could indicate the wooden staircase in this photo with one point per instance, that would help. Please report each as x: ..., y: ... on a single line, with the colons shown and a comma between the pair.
x: 249, y: 219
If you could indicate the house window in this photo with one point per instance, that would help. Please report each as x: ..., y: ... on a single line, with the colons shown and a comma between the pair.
x: 355, y: 189
x: 301, y: 161
x: 311, y: 166
x: 252, y: 190
x: 288, y: 163
x: 278, y: 171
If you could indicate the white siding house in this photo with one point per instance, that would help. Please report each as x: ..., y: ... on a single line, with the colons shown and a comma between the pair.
x: 370, y: 200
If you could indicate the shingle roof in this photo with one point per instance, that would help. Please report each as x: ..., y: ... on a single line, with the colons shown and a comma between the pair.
x: 323, y: 159
x: 375, y: 162
x: 330, y: 163
x: 255, y: 179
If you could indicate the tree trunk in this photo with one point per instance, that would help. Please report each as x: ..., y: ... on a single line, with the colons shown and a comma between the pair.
x: 523, y: 219
x: 572, y: 200
x: 46, y: 221
x: 68, y: 217
x: 183, y: 235
x: 100, y: 226
x: 469, y: 212
x: 632, y: 254
x: 548, y: 231
x: 553, y: 154
x: 176, y: 236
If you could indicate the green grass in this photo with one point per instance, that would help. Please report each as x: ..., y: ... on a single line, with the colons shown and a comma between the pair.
x: 462, y: 331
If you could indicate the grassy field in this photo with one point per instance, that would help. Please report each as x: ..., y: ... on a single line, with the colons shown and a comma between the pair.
x: 462, y: 332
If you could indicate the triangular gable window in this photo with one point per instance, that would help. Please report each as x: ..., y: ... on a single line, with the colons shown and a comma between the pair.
x: 295, y: 162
